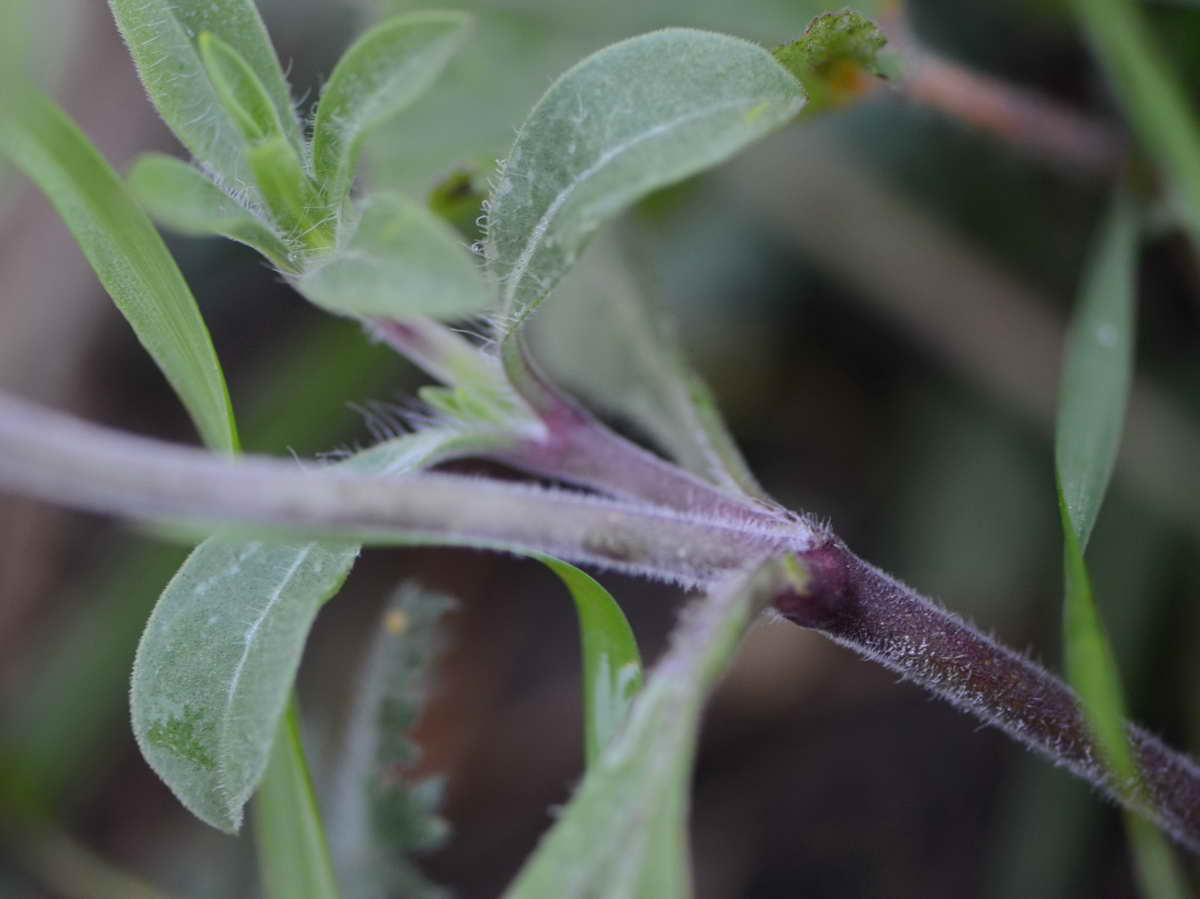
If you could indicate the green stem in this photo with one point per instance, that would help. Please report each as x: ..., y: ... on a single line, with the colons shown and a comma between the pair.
x: 293, y: 854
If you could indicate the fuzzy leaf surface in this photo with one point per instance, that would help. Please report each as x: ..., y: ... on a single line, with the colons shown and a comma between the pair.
x: 612, y: 665
x: 239, y: 89
x: 221, y: 650
x: 382, y: 73
x: 636, y: 116
x: 400, y: 261
x: 180, y: 197
x: 127, y: 254
x: 162, y: 36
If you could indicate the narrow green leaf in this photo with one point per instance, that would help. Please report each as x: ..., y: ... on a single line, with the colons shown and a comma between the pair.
x: 382, y: 73
x: 1154, y: 99
x: 636, y: 116
x: 293, y: 855
x: 181, y: 197
x: 293, y: 199
x: 161, y: 35
x: 221, y: 650
x: 400, y: 261
x: 612, y: 666
x: 1095, y: 386
x: 127, y: 255
x: 239, y: 89
x: 624, y: 833
x: 1097, y: 369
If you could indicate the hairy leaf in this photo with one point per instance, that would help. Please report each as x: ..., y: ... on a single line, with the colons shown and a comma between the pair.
x: 127, y: 255
x: 379, y: 815
x: 1095, y: 386
x: 220, y: 652
x: 162, y: 35
x: 381, y: 74
x: 834, y: 56
x: 293, y: 199
x: 612, y: 665
x: 180, y: 196
x: 400, y: 261
x: 624, y: 833
x: 239, y: 89
x: 636, y: 116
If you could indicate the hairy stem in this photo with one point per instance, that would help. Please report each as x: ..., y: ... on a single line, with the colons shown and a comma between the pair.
x: 59, y: 458
x: 865, y: 609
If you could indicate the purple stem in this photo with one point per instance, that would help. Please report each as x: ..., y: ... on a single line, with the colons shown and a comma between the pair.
x: 859, y: 606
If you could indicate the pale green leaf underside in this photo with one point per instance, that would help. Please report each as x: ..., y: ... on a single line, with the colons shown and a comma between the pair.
x: 400, y: 261
x: 180, y: 197
x: 127, y: 255
x: 382, y: 73
x: 162, y: 36
x: 624, y: 833
x: 634, y: 117
x: 220, y: 652
x: 1097, y: 369
x: 612, y: 665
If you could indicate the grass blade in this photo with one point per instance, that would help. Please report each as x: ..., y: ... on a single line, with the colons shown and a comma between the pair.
x: 674, y: 102
x: 381, y: 74
x: 293, y: 856
x: 612, y: 666
x: 1152, y: 95
x: 161, y: 37
x: 1095, y: 386
x: 182, y: 198
x: 127, y: 255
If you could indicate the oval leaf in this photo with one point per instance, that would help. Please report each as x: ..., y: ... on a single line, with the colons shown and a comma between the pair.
x: 401, y: 261
x: 181, y: 197
x: 161, y: 35
x: 612, y: 666
x: 217, y: 660
x: 634, y: 117
x: 127, y: 255
x: 382, y: 73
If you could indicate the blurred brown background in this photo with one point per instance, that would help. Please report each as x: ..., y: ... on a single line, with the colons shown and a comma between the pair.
x: 877, y: 299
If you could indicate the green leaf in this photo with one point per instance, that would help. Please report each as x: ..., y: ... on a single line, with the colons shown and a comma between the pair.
x: 1097, y: 369
x: 1154, y: 99
x: 293, y: 856
x: 380, y: 815
x: 636, y: 116
x: 400, y: 261
x: 221, y: 650
x: 127, y: 255
x: 239, y: 89
x: 1095, y: 387
x: 295, y: 202
x: 181, y: 197
x: 382, y: 73
x: 612, y: 666
x: 161, y: 36
x: 624, y: 833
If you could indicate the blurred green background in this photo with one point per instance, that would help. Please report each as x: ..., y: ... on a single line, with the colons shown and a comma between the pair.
x: 877, y: 298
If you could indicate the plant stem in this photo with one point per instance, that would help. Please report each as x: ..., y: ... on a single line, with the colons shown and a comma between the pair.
x: 861, y: 607
x: 293, y: 854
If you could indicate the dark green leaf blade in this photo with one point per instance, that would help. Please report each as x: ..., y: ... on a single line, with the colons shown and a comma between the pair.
x: 127, y: 255
x: 182, y: 198
x: 612, y: 665
x: 381, y: 74
x: 636, y: 116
